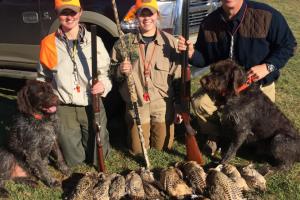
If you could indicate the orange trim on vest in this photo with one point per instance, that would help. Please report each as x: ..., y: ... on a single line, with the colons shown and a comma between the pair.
x: 48, y: 52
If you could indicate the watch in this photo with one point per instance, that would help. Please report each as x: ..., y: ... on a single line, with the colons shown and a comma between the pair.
x: 270, y: 67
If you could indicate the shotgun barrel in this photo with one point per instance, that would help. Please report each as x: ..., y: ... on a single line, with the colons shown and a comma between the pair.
x: 192, y: 149
x: 131, y: 86
x: 96, y: 101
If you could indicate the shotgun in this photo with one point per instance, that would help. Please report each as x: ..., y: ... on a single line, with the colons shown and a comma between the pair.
x: 131, y: 86
x: 96, y: 100
x: 192, y: 150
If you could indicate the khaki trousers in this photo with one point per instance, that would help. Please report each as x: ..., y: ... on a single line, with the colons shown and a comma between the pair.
x: 205, y: 109
x: 76, y: 135
x: 157, y: 125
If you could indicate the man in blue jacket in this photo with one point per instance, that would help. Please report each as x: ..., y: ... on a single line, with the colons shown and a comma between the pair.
x: 254, y: 35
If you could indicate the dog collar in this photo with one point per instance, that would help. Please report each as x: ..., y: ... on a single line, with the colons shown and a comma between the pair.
x: 37, y: 116
x: 249, y: 81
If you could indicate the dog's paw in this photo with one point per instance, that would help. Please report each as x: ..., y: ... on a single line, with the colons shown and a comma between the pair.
x: 65, y: 170
x: 54, y: 183
x: 283, y: 167
x: 27, y: 181
x: 227, y: 157
x: 32, y: 183
x: 224, y: 160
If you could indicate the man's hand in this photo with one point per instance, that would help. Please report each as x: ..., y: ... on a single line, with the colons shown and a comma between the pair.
x: 177, y: 114
x: 184, y: 45
x: 178, y: 118
x: 258, y: 72
x: 98, y: 88
x: 125, y: 67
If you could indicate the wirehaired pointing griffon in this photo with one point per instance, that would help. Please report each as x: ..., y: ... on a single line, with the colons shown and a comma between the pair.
x: 251, y: 116
x: 32, y: 138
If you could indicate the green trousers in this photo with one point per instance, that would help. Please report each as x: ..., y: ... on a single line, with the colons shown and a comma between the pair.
x: 76, y: 134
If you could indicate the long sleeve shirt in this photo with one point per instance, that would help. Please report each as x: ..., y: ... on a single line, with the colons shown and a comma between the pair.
x: 57, y: 66
x: 260, y: 35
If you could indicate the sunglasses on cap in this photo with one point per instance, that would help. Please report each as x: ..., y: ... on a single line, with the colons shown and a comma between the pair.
x: 145, y: 12
x: 68, y: 12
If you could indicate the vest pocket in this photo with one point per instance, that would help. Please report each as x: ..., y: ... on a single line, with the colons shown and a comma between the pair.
x: 161, y: 77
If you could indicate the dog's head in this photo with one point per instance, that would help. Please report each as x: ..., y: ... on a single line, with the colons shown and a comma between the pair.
x: 224, y: 79
x: 37, y: 97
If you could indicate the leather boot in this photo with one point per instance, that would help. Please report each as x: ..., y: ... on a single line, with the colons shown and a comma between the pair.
x: 162, y: 135
x: 135, y: 146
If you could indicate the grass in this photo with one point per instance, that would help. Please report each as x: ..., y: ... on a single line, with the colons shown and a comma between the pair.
x: 286, y: 185
x: 281, y: 185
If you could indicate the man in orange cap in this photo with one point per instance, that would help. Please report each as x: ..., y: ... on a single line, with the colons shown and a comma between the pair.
x: 153, y: 61
x: 65, y: 60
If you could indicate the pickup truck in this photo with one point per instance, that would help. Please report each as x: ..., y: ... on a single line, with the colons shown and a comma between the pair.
x: 25, y: 22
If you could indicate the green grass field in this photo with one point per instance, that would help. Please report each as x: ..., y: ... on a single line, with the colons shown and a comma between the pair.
x: 281, y: 185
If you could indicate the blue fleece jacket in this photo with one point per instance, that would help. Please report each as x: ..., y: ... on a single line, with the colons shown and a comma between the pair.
x: 261, y: 35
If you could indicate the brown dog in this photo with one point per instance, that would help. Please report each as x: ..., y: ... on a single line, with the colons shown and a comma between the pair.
x: 250, y: 114
x: 32, y: 137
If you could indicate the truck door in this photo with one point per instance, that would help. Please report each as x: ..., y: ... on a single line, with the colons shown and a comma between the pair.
x: 20, y: 32
x: 48, y: 16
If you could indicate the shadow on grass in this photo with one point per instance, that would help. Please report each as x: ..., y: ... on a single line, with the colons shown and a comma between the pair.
x: 8, y: 109
x: 69, y: 184
x: 116, y: 125
x: 8, y: 91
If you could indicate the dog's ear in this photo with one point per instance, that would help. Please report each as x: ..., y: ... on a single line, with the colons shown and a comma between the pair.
x: 238, y: 77
x: 23, y: 101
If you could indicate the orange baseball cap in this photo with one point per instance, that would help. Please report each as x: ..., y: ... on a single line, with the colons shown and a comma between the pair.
x: 150, y: 4
x: 74, y: 5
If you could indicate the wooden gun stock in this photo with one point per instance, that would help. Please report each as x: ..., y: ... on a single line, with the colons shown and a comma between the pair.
x: 96, y: 101
x: 192, y: 149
